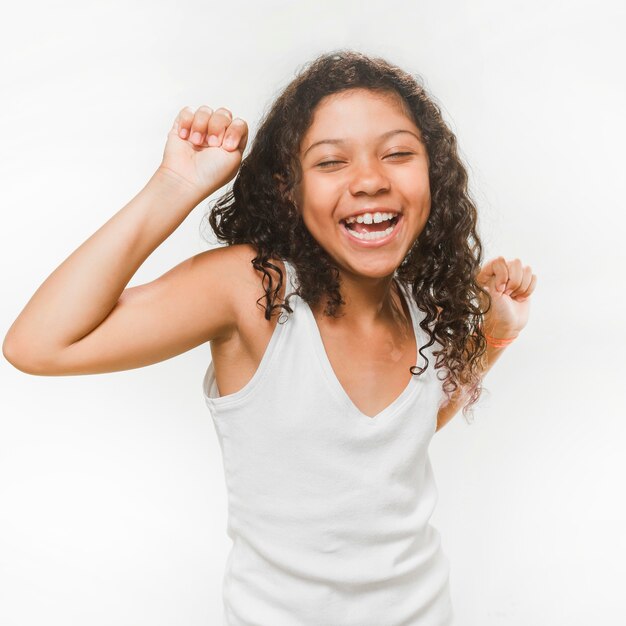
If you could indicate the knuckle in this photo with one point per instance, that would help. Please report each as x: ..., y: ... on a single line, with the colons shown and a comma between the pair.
x: 202, y: 115
x: 186, y: 114
x: 223, y: 111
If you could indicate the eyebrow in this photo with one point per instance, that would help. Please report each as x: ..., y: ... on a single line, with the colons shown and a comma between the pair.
x: 342, y: 141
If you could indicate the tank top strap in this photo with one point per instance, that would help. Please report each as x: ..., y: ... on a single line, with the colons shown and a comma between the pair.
x: 417, y: 315
x: 290, y: 270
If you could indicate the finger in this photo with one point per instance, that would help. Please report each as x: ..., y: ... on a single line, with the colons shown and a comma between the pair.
x: 236, y: 135
x: 516, y: 273
x: 182, y: 123
x: 524, y: 282
x: 529, y: 291
x: 199, y: 124
x: 500, y: 271
x: 218, y: 123
x: 486, y: 272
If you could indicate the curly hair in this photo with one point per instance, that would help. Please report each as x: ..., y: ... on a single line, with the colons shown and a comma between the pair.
x: 441, y: 267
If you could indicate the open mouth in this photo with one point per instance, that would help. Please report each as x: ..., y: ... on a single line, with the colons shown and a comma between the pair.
x: 371, y: 232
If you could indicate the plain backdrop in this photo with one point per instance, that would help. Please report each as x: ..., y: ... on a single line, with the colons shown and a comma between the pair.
x: 112, y: 496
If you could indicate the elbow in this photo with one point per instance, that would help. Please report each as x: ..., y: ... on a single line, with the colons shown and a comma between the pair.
x: 8, y: 351
x: 19, y: 358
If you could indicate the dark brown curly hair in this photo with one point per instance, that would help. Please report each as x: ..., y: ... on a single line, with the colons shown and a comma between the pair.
x: 441, y: 267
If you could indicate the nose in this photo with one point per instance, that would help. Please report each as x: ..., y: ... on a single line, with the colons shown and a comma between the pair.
x: 369, y: 177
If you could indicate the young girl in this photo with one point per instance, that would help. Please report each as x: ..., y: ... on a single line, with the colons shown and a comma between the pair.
x: 351, y: 254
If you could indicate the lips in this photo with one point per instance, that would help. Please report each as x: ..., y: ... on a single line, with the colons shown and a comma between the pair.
x: 373, y: 243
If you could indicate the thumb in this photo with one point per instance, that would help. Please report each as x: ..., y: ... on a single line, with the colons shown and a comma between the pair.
x: 175, y: 127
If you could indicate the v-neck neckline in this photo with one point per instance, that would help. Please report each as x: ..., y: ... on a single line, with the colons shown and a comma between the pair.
x: 337, y: 387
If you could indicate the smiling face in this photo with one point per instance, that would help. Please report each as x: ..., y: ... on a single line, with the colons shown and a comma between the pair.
x: 363, y: 153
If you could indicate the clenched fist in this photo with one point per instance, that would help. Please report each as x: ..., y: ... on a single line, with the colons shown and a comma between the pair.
x: 204, y: 148
x: 510, y: 285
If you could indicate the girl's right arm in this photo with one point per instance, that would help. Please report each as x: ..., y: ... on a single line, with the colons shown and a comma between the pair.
x: 83, y: 319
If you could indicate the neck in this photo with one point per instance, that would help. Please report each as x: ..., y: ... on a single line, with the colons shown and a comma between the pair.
x: 369, y: 302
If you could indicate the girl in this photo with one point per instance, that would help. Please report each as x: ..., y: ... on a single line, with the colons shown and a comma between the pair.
x: 351, y: 253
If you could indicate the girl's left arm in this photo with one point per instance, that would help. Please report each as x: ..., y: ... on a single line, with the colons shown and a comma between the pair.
x: 510, y: 285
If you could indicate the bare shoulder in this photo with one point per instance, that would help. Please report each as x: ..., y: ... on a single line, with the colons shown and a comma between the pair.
x: 246, y: 287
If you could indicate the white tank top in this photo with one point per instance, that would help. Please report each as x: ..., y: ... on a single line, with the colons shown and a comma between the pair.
x: 328, y: 508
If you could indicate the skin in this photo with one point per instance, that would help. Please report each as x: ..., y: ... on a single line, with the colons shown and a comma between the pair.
x: 84, y: 319
x: 365, y: 175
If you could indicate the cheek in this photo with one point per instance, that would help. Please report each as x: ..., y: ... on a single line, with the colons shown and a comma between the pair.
x: 318, y: 208
x: 417, y: 181
x: 317, y: 218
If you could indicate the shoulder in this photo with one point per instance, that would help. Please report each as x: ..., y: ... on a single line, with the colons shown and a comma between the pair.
x: 238, y: 259
x: 244, y: 284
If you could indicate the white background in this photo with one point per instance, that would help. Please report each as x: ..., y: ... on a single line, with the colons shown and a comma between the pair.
x: 112, y: 500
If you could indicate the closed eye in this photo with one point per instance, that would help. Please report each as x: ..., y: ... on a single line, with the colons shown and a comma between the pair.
x: 399, y: 153
x: 325, y: 163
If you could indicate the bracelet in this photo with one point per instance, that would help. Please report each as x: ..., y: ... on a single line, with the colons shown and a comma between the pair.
x: 499, y: 343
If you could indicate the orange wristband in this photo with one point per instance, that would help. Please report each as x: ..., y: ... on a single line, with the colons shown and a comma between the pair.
x: 499, y: 343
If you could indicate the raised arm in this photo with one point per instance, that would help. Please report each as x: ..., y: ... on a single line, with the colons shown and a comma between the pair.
x: 83, y: 319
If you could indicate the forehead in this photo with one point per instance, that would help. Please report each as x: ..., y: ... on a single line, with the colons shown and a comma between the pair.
x: 353, y: 111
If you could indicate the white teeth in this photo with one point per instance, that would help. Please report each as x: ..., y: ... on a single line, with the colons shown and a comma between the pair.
x: 368, y: 218
x: 373, y: 235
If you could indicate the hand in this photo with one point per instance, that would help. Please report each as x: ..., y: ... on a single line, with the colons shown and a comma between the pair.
x: 510, y: 285
x: 197, y: 163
